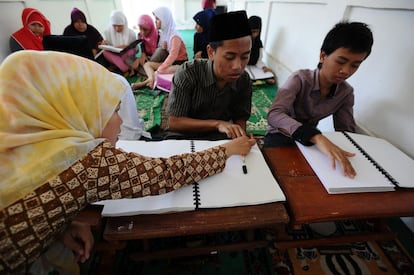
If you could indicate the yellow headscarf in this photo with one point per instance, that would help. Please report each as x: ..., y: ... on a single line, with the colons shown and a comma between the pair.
x: 53, y: 108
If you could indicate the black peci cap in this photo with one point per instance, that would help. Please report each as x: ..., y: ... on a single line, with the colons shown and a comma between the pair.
x: 228, y: 26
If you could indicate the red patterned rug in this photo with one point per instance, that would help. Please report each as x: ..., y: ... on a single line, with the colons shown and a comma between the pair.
x: 382, y: 257
x: 362, y: 258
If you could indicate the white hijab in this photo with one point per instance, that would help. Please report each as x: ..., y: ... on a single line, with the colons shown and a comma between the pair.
x: 168, y: 29
x: 115, y: 38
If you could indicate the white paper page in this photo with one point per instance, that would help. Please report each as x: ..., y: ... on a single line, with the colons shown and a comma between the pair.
x: 368, y: 178
x: 177, y: 201
x: 394, y: 161
x: 165, y: 148
x: 234, y: 188
x: 110, y: 48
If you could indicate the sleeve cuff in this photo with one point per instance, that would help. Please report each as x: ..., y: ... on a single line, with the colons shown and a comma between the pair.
x: 304, y: 133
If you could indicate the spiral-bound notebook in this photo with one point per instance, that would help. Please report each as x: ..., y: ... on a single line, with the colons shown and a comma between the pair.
x: 380, y: 166
x: 230, y: 188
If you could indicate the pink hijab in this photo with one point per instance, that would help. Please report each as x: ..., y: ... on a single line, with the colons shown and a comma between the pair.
x: 150, y: 42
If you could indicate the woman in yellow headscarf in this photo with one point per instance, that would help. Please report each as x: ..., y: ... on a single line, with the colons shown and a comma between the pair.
x: 57, y: 134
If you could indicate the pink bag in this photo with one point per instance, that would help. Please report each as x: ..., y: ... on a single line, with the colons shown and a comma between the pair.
x: 164, y: 82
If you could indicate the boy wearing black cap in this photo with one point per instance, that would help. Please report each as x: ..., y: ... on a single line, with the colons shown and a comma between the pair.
x: 211, y: 98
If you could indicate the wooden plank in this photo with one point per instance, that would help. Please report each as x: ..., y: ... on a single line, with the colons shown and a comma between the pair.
x: 195, y: 222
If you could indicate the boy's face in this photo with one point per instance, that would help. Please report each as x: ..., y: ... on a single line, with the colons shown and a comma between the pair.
x: 230, y: 59
x: 340, y: 65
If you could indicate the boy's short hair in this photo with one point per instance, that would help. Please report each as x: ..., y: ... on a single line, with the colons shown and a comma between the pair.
x: 355, y: 36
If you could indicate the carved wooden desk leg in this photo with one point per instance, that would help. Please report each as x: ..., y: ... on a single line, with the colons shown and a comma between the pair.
x: 249, y: 234
x: 281, y: 235
x: 107, y: 252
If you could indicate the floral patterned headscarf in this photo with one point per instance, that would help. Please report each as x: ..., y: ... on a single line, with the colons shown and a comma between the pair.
x: 54, y: 107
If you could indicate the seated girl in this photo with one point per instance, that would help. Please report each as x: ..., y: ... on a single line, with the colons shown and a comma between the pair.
x: 119, y: 35
x: 79, y: 26
x: 30, y: 36
x: 149, y: 36
x: 256, y: 53
x: 202, y: 19
x: 170, y: 42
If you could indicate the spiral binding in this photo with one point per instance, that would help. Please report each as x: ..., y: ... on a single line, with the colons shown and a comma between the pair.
x: 370, y: 159
x: 196, y: 189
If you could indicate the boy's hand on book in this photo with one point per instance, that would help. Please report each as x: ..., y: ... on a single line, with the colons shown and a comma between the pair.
x: 336, y: 154
x: 232, y: 130
x: 239, y: 146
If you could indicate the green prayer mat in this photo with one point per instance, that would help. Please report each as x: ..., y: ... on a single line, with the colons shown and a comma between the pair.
x: 149, y: 107
x: 149, y: 104
x: 262, y: 99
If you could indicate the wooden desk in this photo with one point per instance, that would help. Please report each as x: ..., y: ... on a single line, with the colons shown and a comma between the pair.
x: 202, y: 221
x: 308, y: 201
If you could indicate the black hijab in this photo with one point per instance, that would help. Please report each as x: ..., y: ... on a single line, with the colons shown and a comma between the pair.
x: 255, y: 23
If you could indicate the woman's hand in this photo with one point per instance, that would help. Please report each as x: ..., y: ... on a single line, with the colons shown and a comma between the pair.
x: 78, y: 237
x: 239, y: 146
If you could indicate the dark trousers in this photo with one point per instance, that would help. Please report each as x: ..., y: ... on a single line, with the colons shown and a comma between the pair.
x: 278, y: 140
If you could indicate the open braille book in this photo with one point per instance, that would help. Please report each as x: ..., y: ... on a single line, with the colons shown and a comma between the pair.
x: 230, y: 188
x: 380, y: 166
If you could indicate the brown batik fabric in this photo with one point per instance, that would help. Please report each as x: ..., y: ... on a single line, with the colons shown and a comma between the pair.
x: 28, y: 226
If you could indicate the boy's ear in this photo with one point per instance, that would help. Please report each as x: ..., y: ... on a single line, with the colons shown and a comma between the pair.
x: 210, y: 52
x: 322, y: 56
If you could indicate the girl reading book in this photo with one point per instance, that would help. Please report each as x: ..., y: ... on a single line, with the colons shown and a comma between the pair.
x: 118, y: 34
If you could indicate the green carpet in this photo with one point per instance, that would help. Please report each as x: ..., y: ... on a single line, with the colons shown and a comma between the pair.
x: 261, y: 101
x: 149, y: 104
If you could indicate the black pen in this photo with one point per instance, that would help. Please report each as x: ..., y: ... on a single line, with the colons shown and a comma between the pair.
x: 244, y: 167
